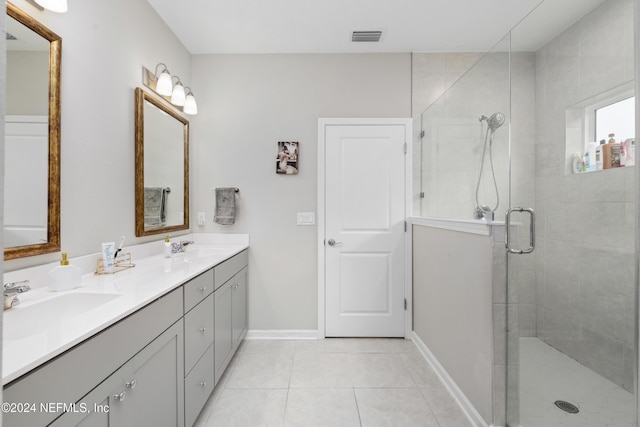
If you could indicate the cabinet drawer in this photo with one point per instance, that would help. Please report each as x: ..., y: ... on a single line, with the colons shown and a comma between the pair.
x: 198, y: 386
x: 230, y: 267
x: 197, y: 289
x: 198, y: 332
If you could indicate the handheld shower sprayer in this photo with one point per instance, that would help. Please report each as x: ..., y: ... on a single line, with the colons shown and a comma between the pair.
x: 493, y: 122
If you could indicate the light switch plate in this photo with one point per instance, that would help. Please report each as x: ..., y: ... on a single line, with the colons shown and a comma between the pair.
x: 306, y: 218
x: 202, y: 218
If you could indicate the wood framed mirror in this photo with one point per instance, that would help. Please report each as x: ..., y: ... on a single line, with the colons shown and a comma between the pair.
x: 162, y: 167
x: 32, y: 137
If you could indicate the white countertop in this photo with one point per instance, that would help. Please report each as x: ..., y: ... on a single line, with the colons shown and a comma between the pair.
x: 131, y: 289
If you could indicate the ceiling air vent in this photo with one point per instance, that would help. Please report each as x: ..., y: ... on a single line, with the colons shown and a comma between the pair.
x: 366, y: 36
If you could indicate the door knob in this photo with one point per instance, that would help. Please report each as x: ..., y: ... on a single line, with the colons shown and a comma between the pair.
x: 332, y: 242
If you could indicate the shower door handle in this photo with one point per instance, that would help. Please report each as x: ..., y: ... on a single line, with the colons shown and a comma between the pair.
x: 532, y: 231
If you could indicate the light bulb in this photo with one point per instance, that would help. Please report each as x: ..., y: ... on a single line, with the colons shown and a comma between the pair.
x: 59, y: 6
x: 164, y: 85
x: 190, y: 106
x: 177, y: 96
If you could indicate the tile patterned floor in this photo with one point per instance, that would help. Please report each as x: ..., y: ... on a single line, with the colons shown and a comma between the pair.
x: 331, y: 382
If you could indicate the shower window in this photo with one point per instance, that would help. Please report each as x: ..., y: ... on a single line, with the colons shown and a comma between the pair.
x: 593, y: 120
x: 617, y: 117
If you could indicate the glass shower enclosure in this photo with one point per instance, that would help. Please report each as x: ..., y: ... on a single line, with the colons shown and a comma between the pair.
x: 569, y: 340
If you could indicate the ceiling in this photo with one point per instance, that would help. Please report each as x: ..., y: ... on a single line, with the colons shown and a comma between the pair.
x: 304, y: 26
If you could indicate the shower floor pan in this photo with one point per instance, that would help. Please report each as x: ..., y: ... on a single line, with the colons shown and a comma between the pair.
x: 547, y: 375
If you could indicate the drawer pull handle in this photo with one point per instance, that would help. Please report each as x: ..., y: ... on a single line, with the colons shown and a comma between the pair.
x: 202, y: 289
x: 119, y: 397
x: 203, y: 384
x: 131, y: 384
x: 203, y: 330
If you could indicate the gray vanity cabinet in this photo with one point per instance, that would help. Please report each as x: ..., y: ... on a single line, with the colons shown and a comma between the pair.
x: 198, y: 386
x: 198, y: 333
x: 149, y: 343
x: 156, y: 367
x: 156, y: 385
x: 146, y: 391
x: 239, y: 307
x: 230, y: 310
x: 198, y: 344
x: 224, y: 334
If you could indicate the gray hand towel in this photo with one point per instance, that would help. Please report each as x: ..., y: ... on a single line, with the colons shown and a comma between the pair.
x: 154, y: 206
x: 225, y: 206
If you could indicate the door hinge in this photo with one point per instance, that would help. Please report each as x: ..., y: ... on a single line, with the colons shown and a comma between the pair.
x: 405, y: 148
x: 405, y: 226
x: 405, y: 303
x: 422, y: 194
x: 422, y: 134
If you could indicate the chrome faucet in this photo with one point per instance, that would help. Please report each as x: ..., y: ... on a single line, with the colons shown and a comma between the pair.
x: 179, y: 247
x: 11, y: 291
x: 483, y: 212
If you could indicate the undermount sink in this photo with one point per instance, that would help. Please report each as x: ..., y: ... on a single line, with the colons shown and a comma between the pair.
x: 199, y: 253
x: 23, y: 321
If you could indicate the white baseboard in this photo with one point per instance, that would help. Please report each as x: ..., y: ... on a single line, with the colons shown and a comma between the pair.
x: 467, y: 407
x: 282, y: 334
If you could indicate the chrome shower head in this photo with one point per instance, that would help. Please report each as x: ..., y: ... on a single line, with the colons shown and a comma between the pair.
x: 495, y: 121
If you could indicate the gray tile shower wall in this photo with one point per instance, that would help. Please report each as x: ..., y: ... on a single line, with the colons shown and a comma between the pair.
x: 585, y: 258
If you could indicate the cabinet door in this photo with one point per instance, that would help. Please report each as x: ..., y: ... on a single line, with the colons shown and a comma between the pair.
x: 223, y: 327
x: 239, y: 308
x: 157, y: 382
x: 146, y: 391
x: 102, y: 407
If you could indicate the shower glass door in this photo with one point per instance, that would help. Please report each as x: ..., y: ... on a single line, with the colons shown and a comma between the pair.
x: 572, y: 302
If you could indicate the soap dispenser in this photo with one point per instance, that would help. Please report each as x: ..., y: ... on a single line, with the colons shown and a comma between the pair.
x: 64, y: 276
x: 167, y: 247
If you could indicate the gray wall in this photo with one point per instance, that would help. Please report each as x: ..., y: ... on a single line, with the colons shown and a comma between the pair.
x: 453, y: 308
x: 585, y: 258
x: 247, y: 104
x: 104, y: 46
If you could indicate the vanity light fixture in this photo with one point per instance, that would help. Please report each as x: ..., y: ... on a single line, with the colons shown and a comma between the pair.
x: 177, y: 95
x: 190, y: 106
x: 164, y: 85
x: 59, y: 6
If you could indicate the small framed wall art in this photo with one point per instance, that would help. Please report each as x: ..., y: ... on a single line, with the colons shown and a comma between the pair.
x: 287, y: 158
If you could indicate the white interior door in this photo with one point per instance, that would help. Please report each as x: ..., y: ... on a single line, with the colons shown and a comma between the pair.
x: 365, y: 230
